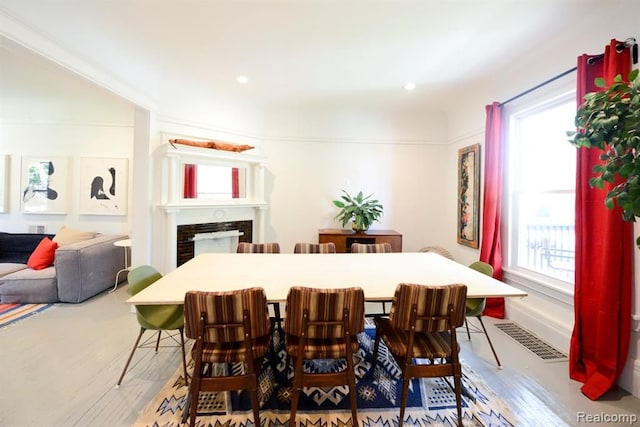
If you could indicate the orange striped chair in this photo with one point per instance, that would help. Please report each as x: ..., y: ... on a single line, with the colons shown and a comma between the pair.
x: 368, y: 248
x: 228, y: 327
x: 314, y: 248
x: 323, y: 324
x: 422, y: 325
x: 258, y: 248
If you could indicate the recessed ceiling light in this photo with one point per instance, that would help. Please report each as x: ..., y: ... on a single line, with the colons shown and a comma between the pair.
x: 409, y: 86
x: 242, y: 79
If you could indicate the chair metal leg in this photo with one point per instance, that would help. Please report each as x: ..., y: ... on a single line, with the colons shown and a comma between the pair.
x: 466, y: 325
x: 158, y: 340
x: 489, y: 340
x: 133, y: 350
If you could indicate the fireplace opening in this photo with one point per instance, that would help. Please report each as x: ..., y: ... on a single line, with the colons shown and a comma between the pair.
x: 187, y: 240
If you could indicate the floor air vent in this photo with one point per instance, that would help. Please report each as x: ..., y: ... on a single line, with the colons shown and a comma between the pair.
x: 531, y: 342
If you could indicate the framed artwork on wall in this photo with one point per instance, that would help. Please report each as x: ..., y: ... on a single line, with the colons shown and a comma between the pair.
x: 468, y: 195
x: 43, y: 184
x: 103, y: 186
x: 4, y: 183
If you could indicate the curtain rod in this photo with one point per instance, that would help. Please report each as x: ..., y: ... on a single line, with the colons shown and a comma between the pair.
x: 630, y: 42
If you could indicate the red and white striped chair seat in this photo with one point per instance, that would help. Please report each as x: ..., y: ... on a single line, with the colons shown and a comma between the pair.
x: 369, y: 248
x: 314, y: 248
x: 258, y: 248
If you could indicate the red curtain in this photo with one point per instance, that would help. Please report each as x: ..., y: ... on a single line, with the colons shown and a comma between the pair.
x: 490, y: 249
x: 190, y: 190
x: 604, y: 256
x: 235, y: 184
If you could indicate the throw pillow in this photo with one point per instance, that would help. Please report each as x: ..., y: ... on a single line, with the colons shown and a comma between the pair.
x: 67, y: 236
x: 43, y: 254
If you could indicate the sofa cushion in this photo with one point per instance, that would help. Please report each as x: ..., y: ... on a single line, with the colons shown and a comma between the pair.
x: 29, y: 286
x: 18, y: 247
x: 67, y: 236
x: 43, y: 255
x: 10, y: 267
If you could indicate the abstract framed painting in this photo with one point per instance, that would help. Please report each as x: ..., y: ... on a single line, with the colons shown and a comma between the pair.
x: 468, y: 195
x: 43, y: 184
x: 103, y: 186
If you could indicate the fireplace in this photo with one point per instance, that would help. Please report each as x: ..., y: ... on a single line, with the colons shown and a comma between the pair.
x: 188, y: 236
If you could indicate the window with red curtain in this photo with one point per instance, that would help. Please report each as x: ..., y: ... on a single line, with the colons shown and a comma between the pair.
x: 490, y: 249
x: 604, y: 256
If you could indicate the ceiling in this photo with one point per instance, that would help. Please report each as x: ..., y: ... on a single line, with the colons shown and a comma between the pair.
x: 298, y: 52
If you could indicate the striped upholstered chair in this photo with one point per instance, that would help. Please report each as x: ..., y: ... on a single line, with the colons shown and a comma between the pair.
x: 228, y: 327
x: 314, y: 248
x: 368, y: 248
x: 323, y: 324
x: 422, y: 325
x: 258, y: 248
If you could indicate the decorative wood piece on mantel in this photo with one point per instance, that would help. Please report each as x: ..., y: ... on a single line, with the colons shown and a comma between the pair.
x: 213, y: 145
x: 344, y: 238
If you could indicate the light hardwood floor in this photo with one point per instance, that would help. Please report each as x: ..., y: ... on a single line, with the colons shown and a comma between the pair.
x: 60, y: 368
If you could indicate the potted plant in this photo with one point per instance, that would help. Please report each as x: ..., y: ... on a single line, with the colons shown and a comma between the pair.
x: 610, y: 120
x: 362, y: 211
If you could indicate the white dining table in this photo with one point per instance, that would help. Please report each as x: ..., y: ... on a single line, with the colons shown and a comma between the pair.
x: 377, y: 273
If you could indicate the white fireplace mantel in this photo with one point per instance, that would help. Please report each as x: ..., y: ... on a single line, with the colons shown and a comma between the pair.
x: 180, y: 211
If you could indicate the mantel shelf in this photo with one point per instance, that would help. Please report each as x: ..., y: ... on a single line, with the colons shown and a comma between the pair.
x: 204, y: 205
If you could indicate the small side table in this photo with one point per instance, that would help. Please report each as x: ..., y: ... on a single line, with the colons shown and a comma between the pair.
x: 126, y: 244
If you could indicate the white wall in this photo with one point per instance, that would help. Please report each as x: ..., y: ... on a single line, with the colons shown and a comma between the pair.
x: 46, y: 111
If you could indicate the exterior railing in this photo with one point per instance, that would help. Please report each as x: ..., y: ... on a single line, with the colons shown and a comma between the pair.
x: 550, y: 250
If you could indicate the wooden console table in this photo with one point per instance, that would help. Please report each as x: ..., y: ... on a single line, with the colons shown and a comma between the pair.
x: 344, y: 238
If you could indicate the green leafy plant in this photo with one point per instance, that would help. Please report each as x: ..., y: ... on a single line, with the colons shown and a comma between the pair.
x: 610, y: 121
x: 362, y: 211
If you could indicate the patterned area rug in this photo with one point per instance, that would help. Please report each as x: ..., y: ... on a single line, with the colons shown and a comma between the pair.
x: 10, y: 314
x: 431, y: 401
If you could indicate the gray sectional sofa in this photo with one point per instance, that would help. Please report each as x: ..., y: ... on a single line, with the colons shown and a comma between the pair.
x: 80, y: 270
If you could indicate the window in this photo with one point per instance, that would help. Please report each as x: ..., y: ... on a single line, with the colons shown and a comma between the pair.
x: 542, y: 170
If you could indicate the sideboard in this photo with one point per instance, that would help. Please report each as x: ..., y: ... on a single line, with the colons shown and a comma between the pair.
x: 343, y: 239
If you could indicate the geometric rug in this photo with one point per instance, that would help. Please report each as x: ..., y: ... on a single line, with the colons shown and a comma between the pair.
x: 431, y: 401
x: 12, y: 313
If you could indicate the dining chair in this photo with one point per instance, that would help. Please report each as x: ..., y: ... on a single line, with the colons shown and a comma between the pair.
x: 437, y: 249
x: 368, y: 248
x: 264, y: 248
x: 323, y: 324
x: 258, y: 248
x: 475, y: 306
x: 422, y: 325
x: 314, y: 248
x: 228, y: 327
x: 166, y: 317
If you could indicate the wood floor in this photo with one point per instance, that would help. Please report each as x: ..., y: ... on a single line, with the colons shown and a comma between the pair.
x: 60, y: 369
